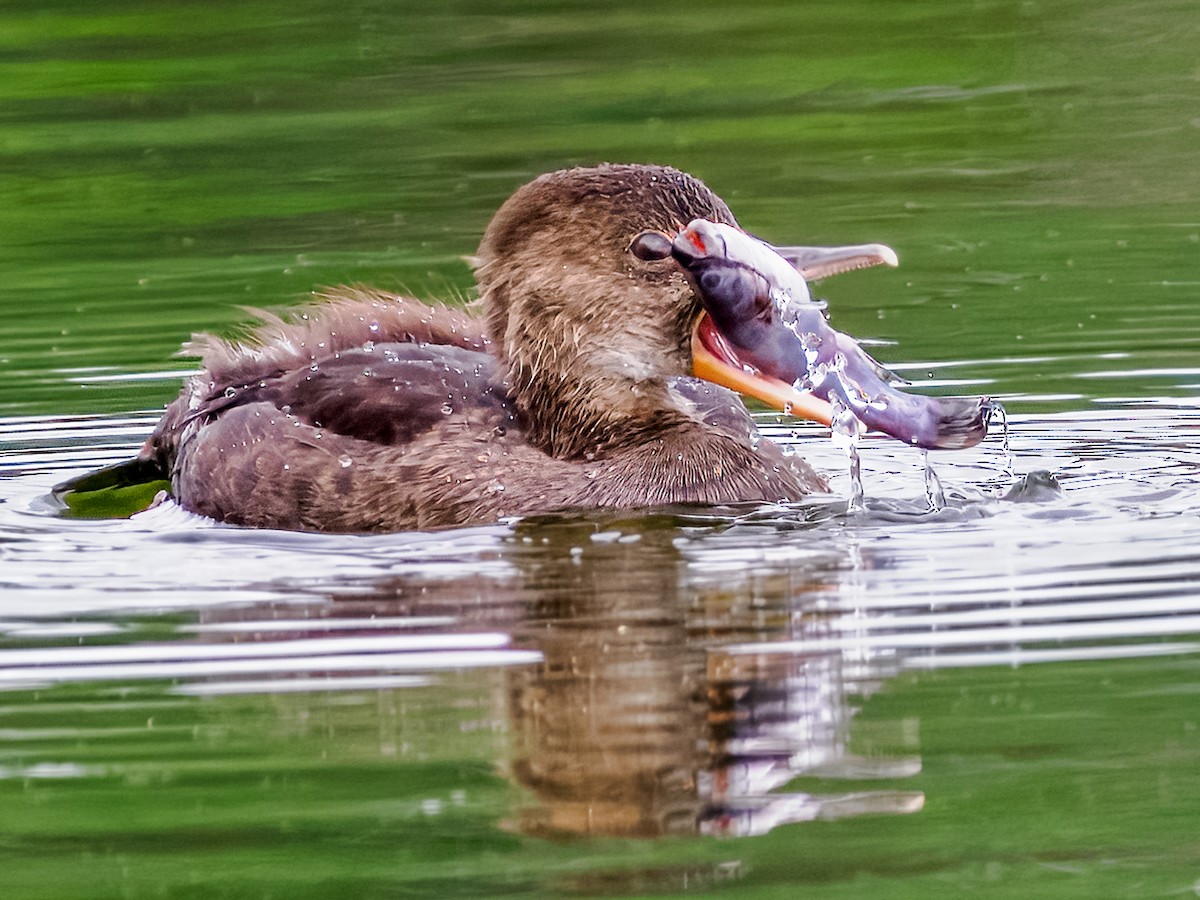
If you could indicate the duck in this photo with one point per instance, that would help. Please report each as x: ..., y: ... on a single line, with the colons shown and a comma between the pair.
x: 569, y: 384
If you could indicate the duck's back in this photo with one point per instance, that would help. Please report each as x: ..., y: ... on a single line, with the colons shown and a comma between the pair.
x: 372, y: 412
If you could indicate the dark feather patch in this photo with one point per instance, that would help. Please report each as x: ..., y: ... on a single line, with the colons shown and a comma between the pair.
x: 391, y: 394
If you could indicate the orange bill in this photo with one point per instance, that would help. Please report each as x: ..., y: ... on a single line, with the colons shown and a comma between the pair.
x: 713, y: 359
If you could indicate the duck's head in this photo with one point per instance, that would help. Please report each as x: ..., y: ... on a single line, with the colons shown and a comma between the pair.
x: 591, y: 334
x: 593, y: 308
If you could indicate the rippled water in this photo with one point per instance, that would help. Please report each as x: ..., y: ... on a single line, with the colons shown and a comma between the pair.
x: 703, y: 672
x: 996, y: 698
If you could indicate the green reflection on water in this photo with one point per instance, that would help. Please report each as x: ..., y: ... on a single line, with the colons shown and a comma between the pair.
x: 168, y: 162
x: 1027, y: 777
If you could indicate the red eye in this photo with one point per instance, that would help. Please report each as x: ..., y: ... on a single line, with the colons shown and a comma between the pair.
x: 696, y: 241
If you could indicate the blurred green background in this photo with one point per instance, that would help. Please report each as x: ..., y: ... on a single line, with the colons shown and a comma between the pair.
x: 163, y: 163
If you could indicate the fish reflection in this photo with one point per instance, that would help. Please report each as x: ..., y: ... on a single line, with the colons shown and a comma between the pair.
x: 637, y: 723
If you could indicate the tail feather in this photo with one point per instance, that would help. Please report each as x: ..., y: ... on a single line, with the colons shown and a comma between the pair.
x: 116, y: 491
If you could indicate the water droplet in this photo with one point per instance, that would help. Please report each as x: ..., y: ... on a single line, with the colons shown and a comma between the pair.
x: 230, y: 392
x: 934, y: 495
x: 999, y: 412
x: 447, y: 409
x: 345, y: 461
x: 845, y: 431
x: 857, y: 496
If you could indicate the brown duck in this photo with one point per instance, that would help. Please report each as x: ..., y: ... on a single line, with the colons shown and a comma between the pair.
x: 574, y: 389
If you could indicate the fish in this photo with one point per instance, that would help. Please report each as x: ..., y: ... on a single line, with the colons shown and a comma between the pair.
x: 766, y: 320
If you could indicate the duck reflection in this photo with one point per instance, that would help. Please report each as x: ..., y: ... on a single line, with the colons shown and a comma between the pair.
x: 643, y: 718
x: 639, y: 723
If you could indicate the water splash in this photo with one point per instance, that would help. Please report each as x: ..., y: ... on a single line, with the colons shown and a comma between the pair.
x: 999, y: 413
x: 934, y: 495
x: 845, y: 430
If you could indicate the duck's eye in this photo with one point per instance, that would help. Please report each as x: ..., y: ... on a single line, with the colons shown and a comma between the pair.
x: 651, y: 245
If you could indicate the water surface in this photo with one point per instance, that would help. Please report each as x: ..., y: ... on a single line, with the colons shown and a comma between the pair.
x: 996, y: 698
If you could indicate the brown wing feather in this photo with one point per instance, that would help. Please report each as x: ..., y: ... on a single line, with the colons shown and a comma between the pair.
x: 347, y: 318
x: 390, y: 394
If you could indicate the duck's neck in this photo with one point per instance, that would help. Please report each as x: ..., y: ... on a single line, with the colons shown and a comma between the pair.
x: 587, y: 356
x: 592, y: 409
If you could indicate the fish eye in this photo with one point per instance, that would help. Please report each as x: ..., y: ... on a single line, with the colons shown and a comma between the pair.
x: 650, y: 246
